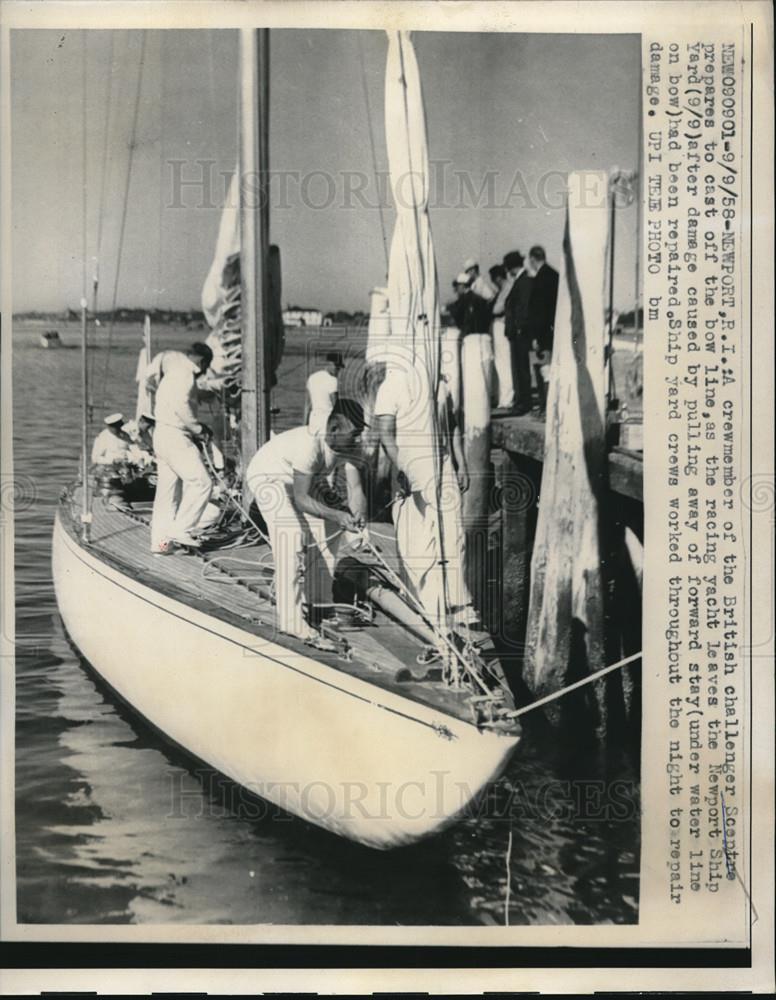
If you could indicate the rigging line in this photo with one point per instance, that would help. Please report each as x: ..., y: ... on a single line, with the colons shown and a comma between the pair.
x: 374, y: 154
x: 162, y: 147
x: 509, y: 878
x: 427, y: 338
x: 85, y: 490
x: 84, y: 92
x: 132, y: 146
x: 100, y: 211
x: 235, y: 503
x: 577, y: 684
x: 441, y: 636
x: 611, y: 389
x: 211, y: 72
x: 104, y: 173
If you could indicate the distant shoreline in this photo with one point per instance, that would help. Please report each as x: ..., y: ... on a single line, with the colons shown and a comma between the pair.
x: 194, y: 319
x: 172, y: 317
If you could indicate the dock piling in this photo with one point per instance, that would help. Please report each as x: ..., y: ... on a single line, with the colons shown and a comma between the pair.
x: 565, y: 635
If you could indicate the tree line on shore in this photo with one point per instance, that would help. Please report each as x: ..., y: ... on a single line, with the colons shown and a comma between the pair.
x: 192, y: 318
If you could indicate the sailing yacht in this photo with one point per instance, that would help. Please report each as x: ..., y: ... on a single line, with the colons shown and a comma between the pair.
x: 391, y: 736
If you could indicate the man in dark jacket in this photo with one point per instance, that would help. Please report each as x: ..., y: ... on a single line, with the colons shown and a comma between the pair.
x: 471, y: 312
x: 541, y: 316
x: 515, y: 328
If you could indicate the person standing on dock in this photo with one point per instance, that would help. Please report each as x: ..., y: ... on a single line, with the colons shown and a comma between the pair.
x: 476, y: 282
x: 288, y: 477
x: 184, y: 485
x: 516, y: 308
x: 541, y: 317
x: 322, y: 389
x: 474, y: 312
x: 502, y: 279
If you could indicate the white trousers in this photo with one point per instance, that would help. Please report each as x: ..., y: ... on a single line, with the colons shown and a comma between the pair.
x: 303, y: 551
x: 502, y: 358
x: 183, y: 485
x: 454, y: 539
x: 318, y: 419
x: 477, y: 381
x: 417, y: 542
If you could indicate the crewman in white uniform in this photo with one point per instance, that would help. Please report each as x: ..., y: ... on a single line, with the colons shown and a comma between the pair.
x: 322, y: 389
x: 111, y: 445
x: 183, y: 485
x: 162, y: 364
x: 428, y: 518
x: 288, y: 478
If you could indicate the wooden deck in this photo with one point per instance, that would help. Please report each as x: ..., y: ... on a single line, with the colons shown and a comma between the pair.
x: 227, y: 585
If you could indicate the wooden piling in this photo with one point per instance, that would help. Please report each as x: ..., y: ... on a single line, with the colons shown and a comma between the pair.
x: 565, y: 634
x: 517, y: 477
x: 476, y: 378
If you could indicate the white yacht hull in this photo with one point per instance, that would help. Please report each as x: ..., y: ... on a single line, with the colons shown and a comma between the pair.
x: 349, y: 756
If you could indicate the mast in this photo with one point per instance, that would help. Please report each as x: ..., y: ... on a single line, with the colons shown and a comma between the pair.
x: 254, y: 236
x: 85, y: 499
x: 147, y: 338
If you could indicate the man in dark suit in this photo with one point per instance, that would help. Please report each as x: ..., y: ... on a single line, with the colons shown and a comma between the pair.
x: 471, y: 311
x: 541, y: 317
x: 516, y: 310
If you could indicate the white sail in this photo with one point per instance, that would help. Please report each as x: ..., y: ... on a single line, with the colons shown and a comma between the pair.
x: 412, y: 277
x: 227, y: 244
x: 415, y: 327
x: 221, y: 296
x: 144, y: 400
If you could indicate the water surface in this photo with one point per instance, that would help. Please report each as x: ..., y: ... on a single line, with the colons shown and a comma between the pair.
x: 113, y: 826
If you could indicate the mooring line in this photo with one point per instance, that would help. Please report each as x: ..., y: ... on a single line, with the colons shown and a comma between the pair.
x: 577, y: 684
x: 509, y: 879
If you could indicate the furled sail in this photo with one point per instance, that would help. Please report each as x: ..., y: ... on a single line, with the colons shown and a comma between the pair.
x: 412, y: 279
x: 221, y: 294
x: 415, y: 328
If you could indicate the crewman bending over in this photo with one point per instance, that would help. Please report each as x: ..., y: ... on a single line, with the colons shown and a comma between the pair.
x: 288, y: 478
x: 183, y: 485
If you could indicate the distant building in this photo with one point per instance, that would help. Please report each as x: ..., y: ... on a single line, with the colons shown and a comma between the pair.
x: 302, y: 316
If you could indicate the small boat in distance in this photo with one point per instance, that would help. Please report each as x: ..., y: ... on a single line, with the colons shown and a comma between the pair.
x: 50, y: 338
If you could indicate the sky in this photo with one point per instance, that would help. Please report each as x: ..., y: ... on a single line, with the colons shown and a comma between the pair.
x: 508, y: 115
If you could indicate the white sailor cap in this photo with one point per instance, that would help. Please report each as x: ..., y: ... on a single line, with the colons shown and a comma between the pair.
x: 470, y: 263
x: 114, y: 418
